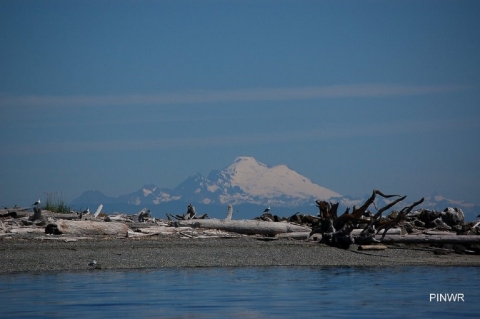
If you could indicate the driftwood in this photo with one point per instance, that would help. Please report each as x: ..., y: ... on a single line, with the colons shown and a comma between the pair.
x: 294, y: 235
x: 37, y: 214
x: 386, y: 225
x: 86, y: 228
x: 248, y: 227
x: 143, y: 215
x: 372, y: 247
x: 69, y: 216
x: 357, y: 213
x: 191, y: 214
x: 391, y: 231
x: 337, y: 231
x: 432, y: 239
x: 229, y: 213
x: 8, y: 214
x: 98, y: 211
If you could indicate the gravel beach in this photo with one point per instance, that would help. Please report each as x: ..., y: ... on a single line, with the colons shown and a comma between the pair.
x: 40, y: 255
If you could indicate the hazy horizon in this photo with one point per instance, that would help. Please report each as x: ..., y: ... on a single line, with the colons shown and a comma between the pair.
x: 354, y: 95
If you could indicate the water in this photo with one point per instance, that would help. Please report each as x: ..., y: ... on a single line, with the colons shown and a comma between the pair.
x: 265, y: 292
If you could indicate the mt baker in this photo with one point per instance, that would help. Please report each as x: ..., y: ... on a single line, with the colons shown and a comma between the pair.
x: 245, y: 181
x: 248, y: 181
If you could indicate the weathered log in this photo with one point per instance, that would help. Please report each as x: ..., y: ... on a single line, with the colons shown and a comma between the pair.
x: 358, y: 212
x: 229, y: 213
x: 143, y: 214
x: 431, y: 239
x: 391, y: 231
x: 342, y: 238
x: 25, y: 230
x: 8, y: 214
x: 385, y: 226
x: 437, y: 233
x: 69, y: 216
x: 295, y: 235
x: 157, y: 230
x: 84, y: 228
x: 98, y: 211
x: 37, y: 215
x: 13, y: 210
x: 372, y: 247
x: 65, y: 239
x: 248, y: 227
x: 118, y: 218
x: 189, y: 215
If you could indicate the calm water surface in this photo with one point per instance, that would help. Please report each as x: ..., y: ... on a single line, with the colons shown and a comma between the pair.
x: 268, y: 292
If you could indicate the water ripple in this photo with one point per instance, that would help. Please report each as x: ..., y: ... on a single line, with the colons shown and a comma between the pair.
x: 265, y: 292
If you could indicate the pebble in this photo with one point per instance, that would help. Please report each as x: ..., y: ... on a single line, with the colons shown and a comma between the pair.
x: 49, y: 255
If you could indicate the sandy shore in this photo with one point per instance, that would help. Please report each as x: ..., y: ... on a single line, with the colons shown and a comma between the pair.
x: 35, y: 255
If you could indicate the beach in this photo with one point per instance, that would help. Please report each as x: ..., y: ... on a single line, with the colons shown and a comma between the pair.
x: 59, y: 254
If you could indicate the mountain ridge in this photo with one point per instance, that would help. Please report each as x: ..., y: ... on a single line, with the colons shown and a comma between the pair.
x: 248, y: 182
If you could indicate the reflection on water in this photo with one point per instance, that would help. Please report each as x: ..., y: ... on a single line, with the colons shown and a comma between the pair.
x: 268, y: 292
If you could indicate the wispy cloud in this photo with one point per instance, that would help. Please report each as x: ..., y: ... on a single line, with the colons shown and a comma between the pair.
x: 205, y: 142
x: 267, y: 94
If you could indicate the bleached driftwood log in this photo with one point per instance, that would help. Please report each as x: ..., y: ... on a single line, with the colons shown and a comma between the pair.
x: 248, y: 227
x: 295, y: 235
x: 431, y: 239
x: 118, y: 218
x: 70, y: 216
x: 391, y: 231
x: 229, y: 213
x: 84, y: 228
x: 372, y: 247
x: 25, y: 230
x: 98, y: 211
x: 37, y: 214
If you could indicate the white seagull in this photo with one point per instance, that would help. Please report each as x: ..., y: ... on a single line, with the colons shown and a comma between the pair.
x: 36, y: 203
x: 267, y: 209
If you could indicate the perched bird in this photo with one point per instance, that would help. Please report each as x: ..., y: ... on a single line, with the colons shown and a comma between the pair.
x: 86, y: 212
x: 94, y: 265
x: 267, y: 209
x: 36, y: 203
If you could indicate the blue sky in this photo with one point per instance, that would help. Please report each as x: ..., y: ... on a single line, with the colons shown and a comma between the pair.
x: 355, y: 95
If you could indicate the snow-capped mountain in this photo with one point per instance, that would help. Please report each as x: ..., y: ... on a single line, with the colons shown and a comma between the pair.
x: 150, y: 194
x: 245, y: 181
x: 249, y: 182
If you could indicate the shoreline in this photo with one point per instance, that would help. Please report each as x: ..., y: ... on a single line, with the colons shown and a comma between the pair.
x: 35, y: 255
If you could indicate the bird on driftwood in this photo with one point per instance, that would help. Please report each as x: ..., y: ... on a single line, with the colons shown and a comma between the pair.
x: 36, y: 203
x: 267, y: 209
